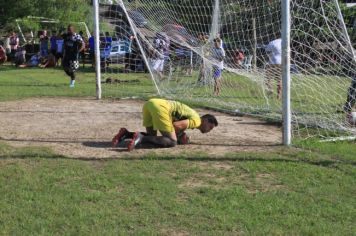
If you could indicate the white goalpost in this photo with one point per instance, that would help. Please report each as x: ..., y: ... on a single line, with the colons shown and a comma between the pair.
x: 286, y: 61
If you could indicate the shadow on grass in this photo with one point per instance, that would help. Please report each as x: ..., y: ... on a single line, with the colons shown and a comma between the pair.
x: 200, y: 158
x: 33, y: 85
x: 269, y: 157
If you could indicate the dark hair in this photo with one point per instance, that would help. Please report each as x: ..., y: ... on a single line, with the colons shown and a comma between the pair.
x: 217, y: 40
x: 211, y: 119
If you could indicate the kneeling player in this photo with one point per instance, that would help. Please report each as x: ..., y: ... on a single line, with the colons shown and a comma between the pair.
x: 171, y: 119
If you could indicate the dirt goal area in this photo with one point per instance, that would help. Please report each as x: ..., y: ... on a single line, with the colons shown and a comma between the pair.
x: 83, y: 128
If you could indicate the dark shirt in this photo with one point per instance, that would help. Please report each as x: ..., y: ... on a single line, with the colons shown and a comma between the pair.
x: 53, y: 41
x: 72, y: 45
x: 91, y: 44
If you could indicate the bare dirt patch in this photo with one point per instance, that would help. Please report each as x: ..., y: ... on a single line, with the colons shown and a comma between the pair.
x: 83, y: 128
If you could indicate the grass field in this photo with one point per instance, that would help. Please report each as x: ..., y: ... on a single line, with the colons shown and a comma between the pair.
x: 287, y: 191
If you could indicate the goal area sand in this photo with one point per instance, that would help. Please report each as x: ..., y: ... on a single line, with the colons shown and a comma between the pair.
x: 83, y: 128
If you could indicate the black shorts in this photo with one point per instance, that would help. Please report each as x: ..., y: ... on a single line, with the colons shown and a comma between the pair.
x: 54, y: 51
x: 92, y: 55
x: 58, y: 55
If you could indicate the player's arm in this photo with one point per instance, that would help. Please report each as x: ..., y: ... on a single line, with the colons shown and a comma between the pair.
x: 181, y: 125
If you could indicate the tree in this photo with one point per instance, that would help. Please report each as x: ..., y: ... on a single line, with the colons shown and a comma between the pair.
x: 62, y: 10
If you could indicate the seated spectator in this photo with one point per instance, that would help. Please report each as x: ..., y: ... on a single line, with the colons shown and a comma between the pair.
x: 33, y: 62
x: 49, y: 61
x: 3, y: 56
x: 239, y: 57
x: 20, y: 56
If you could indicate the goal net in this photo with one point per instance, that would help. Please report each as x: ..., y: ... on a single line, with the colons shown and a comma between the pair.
x: 226, y: 55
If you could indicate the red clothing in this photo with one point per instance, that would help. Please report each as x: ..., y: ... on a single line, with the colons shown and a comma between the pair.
x: 2, y: 53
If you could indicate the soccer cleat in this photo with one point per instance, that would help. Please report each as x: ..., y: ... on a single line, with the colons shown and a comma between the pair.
x: 136, y: 139
x: 119, y: 137
x: 71, y: 84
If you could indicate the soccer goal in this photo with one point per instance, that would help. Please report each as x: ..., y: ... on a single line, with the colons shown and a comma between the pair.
x: 227, y: 55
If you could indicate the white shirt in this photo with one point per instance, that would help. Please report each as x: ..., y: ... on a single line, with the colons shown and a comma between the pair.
x: 274, y: 50
x: 219, y: 55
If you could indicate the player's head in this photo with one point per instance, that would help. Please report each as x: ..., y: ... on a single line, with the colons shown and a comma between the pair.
x: 208, y: 122
x: 217, y: 42
x: 70, y: 29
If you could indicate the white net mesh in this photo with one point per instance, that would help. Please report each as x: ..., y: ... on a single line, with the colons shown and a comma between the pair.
x: 225, y: 54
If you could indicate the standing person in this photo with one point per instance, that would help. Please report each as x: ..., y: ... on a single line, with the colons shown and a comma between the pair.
x: 222, y: 44
x: 53, y: 43
x: 350, y: 100
x: 92, y: 50
x: 160, y: 46
x: 128, y: 55
x: 82, y: 53
x: 59, y: 51
x: 171, y: 119
x: 73, y: 45
x: 20, y: 56
x: 274, y: 67
x: 7, y: 46
x: 44, y: 44
x: 3, y: 56
x: 218, y: 54
x: 203, y: 39
x: 14, y: 44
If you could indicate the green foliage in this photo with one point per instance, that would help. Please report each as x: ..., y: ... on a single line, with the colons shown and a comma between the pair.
x: 349, y: 14
x: 62, y: 10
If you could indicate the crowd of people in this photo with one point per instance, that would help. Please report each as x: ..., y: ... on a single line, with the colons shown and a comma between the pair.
x: 61, y: 49
x: 65, y: 49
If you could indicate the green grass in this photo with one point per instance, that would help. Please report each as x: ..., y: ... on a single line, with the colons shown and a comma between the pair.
x: 287, y: 191
x: 282, y: 192
x: 19, y: 83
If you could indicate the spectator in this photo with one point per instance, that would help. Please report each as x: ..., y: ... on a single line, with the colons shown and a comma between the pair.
x: 50, y: 61
x: 20, y: 56
x: 239, y: 57
x: 108, y: 39
x: 7, y: 46
x: 44, y: 44
x: 274, y: 69
x: 59, y: 51
x: 203, y: 39
x: 105, y: 49
x: 82, y: 53
x: 350, y: 100
x: 92, y: 50
x: 33, y: 62
x: 14, y: 44
x: 160, y: 46
x: 53, y: 43
x: 218, y: 54
x: 128, y: 54
x: 3, y: 56
x: 222, y: 44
